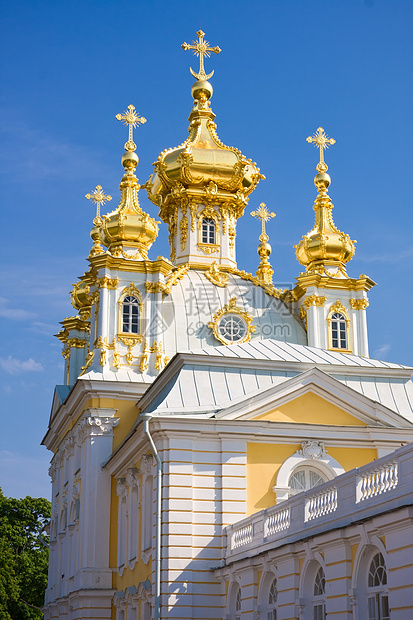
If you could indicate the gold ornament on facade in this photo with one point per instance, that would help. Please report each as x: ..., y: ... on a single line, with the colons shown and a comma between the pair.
x: 232, y: 310
x: 359, y: 304
x: 315, y: 300
x: 157, y: 349
x: 217, y: 277
x: 88, y: 362
x: 144, y: 357
x: 264, y: 271
x: 105, y: 282
x: 116, y: 359
x: 183, y: 225
x: 165, y: 287
x: 338, y: 307
x: 325, y: 246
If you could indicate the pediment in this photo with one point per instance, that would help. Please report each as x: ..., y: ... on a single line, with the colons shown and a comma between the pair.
x: 314, y: 397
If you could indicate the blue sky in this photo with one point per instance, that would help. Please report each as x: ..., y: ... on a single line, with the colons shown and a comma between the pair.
x: 286, y: 67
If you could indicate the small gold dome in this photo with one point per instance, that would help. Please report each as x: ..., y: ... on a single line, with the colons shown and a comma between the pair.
x: 325, y: 244
x: 128, y: 225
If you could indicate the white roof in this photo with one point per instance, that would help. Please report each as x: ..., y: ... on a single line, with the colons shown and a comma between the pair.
x: 208, y: 380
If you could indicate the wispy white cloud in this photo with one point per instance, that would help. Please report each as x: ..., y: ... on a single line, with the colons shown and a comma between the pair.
x: 389, y: 258
x: 13, y: 366
x: 381, y: 352
x: 45, y: 156
x: 15, y: 314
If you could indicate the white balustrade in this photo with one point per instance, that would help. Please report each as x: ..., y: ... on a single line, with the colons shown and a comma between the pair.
x: 277, y: 522
x: 242, y: 536
x: 377, y: 481
x: 321, y: 504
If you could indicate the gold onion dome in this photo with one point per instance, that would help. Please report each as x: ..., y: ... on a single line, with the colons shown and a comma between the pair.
x: 202, y: 166
x: 325, y: 245
x: 128, y: 227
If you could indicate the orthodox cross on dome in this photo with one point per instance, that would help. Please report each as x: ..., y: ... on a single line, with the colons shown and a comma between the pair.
x: 131, y: 117
x: 264, y: 215
x: 99, y: 198
x: 201, y: 48
x: 322, y: 141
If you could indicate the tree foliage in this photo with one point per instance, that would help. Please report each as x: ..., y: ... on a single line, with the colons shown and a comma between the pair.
x: 23, y: 558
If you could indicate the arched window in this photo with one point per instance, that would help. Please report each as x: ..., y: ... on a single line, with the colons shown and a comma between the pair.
x: 339, y: 338
x: 377, y: 593
x: 305, y: 478
x: 147, y: 513
x: 272, y: 601
x: 319, y: 605
x: 208, y: 230
x: 130, y: 315
x: 237, y: 615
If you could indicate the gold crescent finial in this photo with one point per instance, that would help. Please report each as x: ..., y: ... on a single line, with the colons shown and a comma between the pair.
x: 264, y: 215
x: 131, y: 118
x: 201, y: 48
x: 99, y: 198
x: 322, y: 141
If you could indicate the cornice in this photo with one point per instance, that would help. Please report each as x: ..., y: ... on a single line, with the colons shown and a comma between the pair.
x: 306, y: 280
x: 84, y: 390
x: 160, y: 265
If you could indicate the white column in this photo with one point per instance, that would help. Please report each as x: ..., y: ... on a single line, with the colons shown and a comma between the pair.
x: 95, y: 436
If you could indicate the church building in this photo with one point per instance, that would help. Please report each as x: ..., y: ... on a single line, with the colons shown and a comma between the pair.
x: 223, y: 448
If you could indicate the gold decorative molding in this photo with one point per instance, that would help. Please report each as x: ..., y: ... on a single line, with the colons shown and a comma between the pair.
x: 338, y: 307
x: 208, y: 248
x: 183, y: 225
x: 165, y: 287
x: 315, y: 300
x: 228, y: 309
x: 232, y: 234
x: 157, y: 348
x: 359, y: 304
x: 88, y: 362
x: 106, y: 282
x: 76, y: 343
x: 268, y: 288
x: 217, y: 277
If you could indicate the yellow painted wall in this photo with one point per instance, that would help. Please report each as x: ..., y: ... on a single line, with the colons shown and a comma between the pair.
x: 311, y: 409
x: 352, y: 457
x: 263, y: 463
x: 265, y: 459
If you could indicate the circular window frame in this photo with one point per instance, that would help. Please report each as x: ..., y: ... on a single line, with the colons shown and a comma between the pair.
x: 231, y: 309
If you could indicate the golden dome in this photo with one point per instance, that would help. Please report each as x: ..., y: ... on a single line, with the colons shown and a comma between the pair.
x: 202, y: 165
x: 128, y: 231
x: 325, y: 244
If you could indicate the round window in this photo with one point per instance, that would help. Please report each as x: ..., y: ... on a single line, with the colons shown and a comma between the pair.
x: 232, y: 327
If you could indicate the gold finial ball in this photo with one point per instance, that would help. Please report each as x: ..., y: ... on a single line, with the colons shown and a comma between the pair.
x: 202, y: 90
x: 130, y: 159
x: 264, y: 250
x: 322, y: 179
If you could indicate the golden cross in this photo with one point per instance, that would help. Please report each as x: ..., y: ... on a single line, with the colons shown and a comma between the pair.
x: 201, y: 48
x: 264, y: 215
x: 322, y: 141
x: 99, y: 198
x: 131, y: 118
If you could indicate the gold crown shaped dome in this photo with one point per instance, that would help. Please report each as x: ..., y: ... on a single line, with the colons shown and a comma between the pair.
x: 324, y: 245
x: 128, y: 230
x: 202, y: 165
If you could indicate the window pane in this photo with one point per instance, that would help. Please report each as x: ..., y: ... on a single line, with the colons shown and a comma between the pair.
x: 384, y: 604
x: 372, y: 608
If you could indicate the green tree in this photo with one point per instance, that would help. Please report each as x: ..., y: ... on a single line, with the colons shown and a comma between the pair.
x: 23, y: 558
